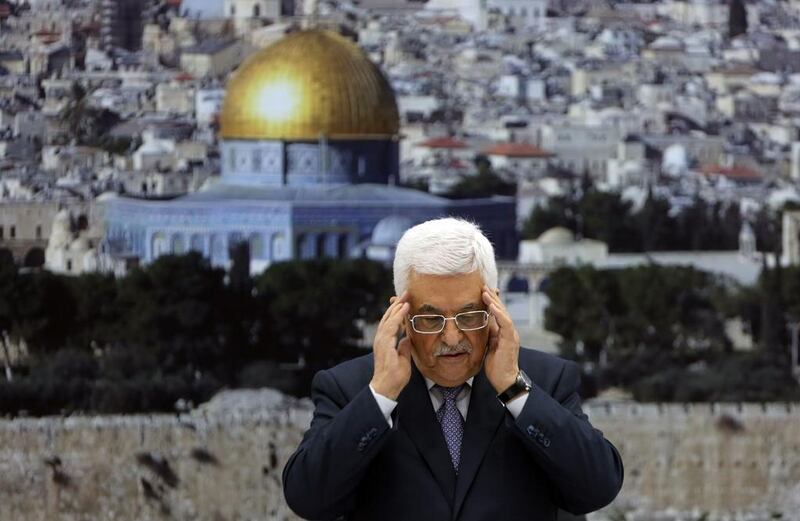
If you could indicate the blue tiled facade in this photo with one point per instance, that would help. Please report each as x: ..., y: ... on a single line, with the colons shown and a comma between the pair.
x: 291, y: 200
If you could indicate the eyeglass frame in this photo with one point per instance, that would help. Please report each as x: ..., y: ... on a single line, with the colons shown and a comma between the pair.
x: 445, y: 319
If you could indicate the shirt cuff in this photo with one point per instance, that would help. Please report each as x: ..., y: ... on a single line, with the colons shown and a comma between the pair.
x: 386, y: 405
x: 516, y: 405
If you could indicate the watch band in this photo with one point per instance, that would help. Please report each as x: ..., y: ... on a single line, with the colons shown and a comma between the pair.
x: 521, y: 385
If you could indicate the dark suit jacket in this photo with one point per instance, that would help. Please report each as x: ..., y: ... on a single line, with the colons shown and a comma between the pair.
x: 352, y: 464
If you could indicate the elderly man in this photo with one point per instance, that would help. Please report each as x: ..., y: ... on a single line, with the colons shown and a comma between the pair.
x: 454, y: 421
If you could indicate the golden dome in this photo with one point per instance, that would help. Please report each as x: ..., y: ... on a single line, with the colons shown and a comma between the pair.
x: 309, y: 83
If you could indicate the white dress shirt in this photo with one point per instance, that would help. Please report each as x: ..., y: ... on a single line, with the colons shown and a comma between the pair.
x: 387, y: 405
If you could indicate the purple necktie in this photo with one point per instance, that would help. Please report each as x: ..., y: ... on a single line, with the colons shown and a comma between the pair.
x: 451, y: 421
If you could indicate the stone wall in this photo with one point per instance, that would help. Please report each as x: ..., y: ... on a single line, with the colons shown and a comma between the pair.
x: 225, y: 464
x: 715, y: 458
x: 204, y: 467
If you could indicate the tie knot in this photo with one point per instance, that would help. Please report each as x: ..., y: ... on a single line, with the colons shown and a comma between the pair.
x: 449, y: 393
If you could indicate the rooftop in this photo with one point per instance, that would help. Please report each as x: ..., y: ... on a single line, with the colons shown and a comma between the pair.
x: 517, y: 150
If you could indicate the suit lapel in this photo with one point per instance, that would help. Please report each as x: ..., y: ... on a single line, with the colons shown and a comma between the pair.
x: 415, y: 416
x: 483, y: 417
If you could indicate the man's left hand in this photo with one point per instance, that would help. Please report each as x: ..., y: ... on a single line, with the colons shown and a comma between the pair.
x: 502, y: 357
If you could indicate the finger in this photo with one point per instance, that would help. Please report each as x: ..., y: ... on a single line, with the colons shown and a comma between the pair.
x: 402, y: 297
x: 494, y: 329
x: 502, y: 317
x: 392, y: 307
x: 487, y: 296
x: 399, y: 303
x: 494, y: 333
x: 398, y: 315
x: 492, y: 298
x: 392, y: 323
x: 404, y: 348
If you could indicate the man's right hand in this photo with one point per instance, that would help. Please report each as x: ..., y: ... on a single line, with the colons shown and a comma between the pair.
x: 392, y: 359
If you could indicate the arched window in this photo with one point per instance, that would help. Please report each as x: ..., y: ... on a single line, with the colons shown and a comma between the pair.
x: 178, y: 244
x: 217, y: 249
x: 278, y: 246
x: 256, y: 11
x: 256, y: 246
x: 234, y: 238
x: 341, y: 246
x: 299, y: 243
x: 196, y: 243
x: 320, y: 249
x: 159, y: 245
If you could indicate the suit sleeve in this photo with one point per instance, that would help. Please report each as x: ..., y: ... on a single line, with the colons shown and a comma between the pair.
x: 321, y: 478
x: 584, y: 468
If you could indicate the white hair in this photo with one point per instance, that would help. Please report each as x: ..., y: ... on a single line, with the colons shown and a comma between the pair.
x: 445, y: 246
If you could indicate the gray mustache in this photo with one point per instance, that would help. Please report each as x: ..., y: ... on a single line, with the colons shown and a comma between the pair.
x: 443, y: 349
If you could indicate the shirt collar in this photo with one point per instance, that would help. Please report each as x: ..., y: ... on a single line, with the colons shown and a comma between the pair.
x: 430, y: 383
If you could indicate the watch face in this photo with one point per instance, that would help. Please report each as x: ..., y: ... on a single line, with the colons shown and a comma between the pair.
x: 524, y: 379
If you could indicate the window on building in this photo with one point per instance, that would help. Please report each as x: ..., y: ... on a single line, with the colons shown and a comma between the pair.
x: 299, y: 243
x: 233, y: 9
x: 69, y: 265
x: 178, y: 245
x: 256, y: 246
x: 362, y: 166
x: 12, y: 232
x: 256, y: 160
x: 2, y: 232
x: 39, y: 232
x: 196, y: 243
x: 341, y: 246
x: 277, y: 246
x: 159, y: 246
x: 217, y: 247
x: 321, y: 240
x: 256, y: 11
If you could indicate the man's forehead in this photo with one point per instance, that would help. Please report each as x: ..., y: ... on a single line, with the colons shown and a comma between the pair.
x: 445, y: 293
x: 428, y: 307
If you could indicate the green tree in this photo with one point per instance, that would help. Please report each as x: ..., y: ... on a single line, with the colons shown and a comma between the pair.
x: 314, y: 309
x: 8, y: 281
x: 557, y: 212
x: 646, y: 318
x: 43, y: 311
x: 485, y: 183
x: 96, y: 315
x: 174, y: 306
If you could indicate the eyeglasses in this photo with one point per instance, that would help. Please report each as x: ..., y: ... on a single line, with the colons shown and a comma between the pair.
x: 433, y: 324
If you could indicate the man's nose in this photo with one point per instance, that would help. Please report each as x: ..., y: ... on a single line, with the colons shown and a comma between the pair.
x: 451, y: 335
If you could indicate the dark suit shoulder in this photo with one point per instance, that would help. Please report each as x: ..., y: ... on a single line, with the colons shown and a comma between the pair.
x: 354, y: 374
x: 545, y: 369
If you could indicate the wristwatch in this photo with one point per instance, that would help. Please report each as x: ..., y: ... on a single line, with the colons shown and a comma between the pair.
x: 522, y: 384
